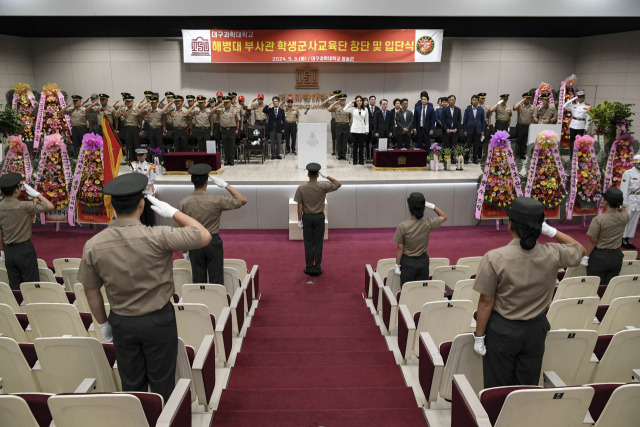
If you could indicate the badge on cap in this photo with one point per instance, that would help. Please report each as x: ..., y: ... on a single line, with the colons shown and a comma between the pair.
x: 141, y: 151
x: 190, y: 97
x: 76, y: 97
x: 581, y: 93
x: 103, y: 96
x: 504, y: 96
x: 526, y: 95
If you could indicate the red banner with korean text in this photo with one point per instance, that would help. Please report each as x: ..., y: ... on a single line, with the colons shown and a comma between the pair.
x: 295, y: 46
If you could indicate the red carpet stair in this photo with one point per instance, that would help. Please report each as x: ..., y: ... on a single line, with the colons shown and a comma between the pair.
x: 316, y: 360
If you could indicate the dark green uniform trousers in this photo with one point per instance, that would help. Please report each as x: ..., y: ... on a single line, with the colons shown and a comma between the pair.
x: 313, y: 235
x: 514, y: 351
x: 22, y: 263
x: 146, y: 350
x: 207, y: 263
x: 605, y: 263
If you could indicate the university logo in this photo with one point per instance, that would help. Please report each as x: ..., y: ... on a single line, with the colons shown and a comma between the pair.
x: 425, y: 45
x: 306, y: 78
x: 188, y: 164
x: 402, y: 161
x: 199, y: 47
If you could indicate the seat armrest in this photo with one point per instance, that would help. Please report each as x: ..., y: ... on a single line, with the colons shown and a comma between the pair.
x: 237, y: 313
x: 406, y: 331
x: 552, y: 379
x: 430, y: 367
x: 204, y: 371
x: 86, y: 386
x: 223, y: 334
x: 1, y: 385
x: 389, y: 307
x: 466, y: 409
x: 255, y: 283
x: 246, y: 292
x: 368, y: 280
x: 178, y: 408
x: 635, y: 375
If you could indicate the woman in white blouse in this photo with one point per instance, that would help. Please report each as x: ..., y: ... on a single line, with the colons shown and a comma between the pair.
x: 359, y: 128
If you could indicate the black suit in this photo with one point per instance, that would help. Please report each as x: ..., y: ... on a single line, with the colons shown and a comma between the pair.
x: 383, y: 125
x: 404, y: 120
x: 371, y: 141
x: 451, y: 122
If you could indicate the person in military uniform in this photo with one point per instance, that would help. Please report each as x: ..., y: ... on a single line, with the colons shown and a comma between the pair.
x: 482, y: 97
x: 503, y: 113
x: 292, y: 118
x: 167, y: 129
x: 16, y: 217
x: 152, y: 116
x: 202, y: 124
x: 343, y: 128
x: 604, y: 257
x: 207, y: 263
x: 92, y: 117
x: 257, y: 105
x: 215, y: 117
x: 141, y: 322
x: 230, y: 126
x: 79, y: 123
x: 525, y: 116
x: 516, y: 284
x: 145, y: 100
x: 630, y: 187
x: 310, y: 198
x: 336, y: 94
x: 191, y: 101
x: 579, y: 117
x: 412, y: 239
x: 149, y: 170
x: 132, y: 124
x: 104, y: 109
x: 545, y: 112
x: 180, y: 119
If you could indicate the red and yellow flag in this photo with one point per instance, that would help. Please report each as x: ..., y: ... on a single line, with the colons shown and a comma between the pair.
x: 112, y: 150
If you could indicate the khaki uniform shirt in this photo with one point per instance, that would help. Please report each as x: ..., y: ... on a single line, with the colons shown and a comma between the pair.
x: 341, y: 115
x: 229, y: 118
x: 608, y: 228
x: 257, y: 111
x: 312, y: 194
x: 207, y: 208
x: 130, y: 116
x: 168, y: 114
x: 134, y: 263
x: 100, y: 111
x: 291, y: 115
x: 215, y: 114
x: 201, y: 118
x: 545, y: 113
x: 521, y: 281
x: 487, y: 114
x: 180, y: 118
x: 16, y: 218
x: 414, y: 234
x: 77, y: 116
x: 525, y: 114
x: 153, y: 118
x: 503, y: 113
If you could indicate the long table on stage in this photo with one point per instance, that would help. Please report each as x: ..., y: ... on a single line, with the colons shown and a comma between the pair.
x: 177, y: 163
x: 400, y: 159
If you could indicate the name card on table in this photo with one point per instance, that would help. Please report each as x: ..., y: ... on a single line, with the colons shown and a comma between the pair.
x: 382, y: 144
x: 211, y: 147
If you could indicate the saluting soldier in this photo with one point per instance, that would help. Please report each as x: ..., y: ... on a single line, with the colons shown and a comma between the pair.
x: 168, y: 117
x: 503, y: 113
x: 292, y: 118
x: 191, y: 100
x: 104, y: 109
x: 310, y: 198
x: 16, y: 217
x: 141, y: 323
x: 630, y: 187
x: 132, y: 124
x: 202, y: 125
x: 257, y: 105
x: 343, y: 128
x: 91, y: 113
x: 152, y: 115
x: 79, y: 123
x: 149, y: 170
x: 482, y: 97
x: 230, y: 125
x: 525, y: 116
x: 579, y: 117
x: 545, y: 112
x: 146, y: 100
x: 180, y: 123
x: 215, y: 117
x: 207, y: 263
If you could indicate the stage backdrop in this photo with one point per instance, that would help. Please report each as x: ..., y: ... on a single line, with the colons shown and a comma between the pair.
x: 312, y: 45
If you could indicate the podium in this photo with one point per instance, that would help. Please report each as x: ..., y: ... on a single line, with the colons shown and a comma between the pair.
x: 295, y: 232
x: 312, y: 144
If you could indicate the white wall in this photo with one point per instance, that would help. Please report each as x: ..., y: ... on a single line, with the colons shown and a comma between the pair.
x: 16, y: 65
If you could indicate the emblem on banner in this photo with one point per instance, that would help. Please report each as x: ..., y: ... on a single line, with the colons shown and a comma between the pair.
x: 306, y: 78
x: 312, y: 141
x: 188, y: 164
x: 199, y: 47
x: 402, y: 161
x: 425, y: 45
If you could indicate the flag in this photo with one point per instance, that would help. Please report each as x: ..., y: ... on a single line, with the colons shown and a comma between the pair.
x: 112, y: 150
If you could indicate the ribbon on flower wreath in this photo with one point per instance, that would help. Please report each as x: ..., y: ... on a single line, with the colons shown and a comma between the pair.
x: 90, y: 142
x: 571, y: 81
x: 16, y: 146
x: 499, y: 140
x: 608, y: 175
x: 53, y: 89
x: 579, y: 141
x: 545, y: 140
x: 435, y: 151
x: 53, y: 143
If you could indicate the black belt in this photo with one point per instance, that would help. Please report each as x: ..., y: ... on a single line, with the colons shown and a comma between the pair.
x: 199, y: 127
x: 230, y: 127
x: 340, y: 124
x: 176, y: 128
x: 607, y: 250
x: 417, y: 256
x: 19, y: 243
x: 155, y: 127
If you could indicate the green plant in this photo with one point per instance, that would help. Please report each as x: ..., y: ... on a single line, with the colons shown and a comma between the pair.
x: 606, y: 117
x: 447, y: 152
x: 9, y: 122
x: 460, y: 150
x: 430, y: 157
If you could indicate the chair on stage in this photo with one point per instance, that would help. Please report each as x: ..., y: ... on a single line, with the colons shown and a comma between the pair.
x: 182, y: 263
x: 255, y: 143
x: 216, y: 299
x: 81, y: 298
x: 60, y: 264
x: 629, y: 255
x: 573, y: 313
x: 48, y: 292
x: 578, y: 271
x: 615, y: 404
x: 621, y: 286
x: 451, y: 274
x: 393, y: 281
x: 437, y: 262
x: 239, y: 264
x: 54, y: 320
x: 42, y: 263
x: 4, y: 276
x: 412, y: 297
x: 577, y: 287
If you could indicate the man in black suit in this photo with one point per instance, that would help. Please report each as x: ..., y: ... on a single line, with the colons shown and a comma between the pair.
x: 404, y: 122
x: 371, y: 141
x: 452, y: 120
x: 423, y: 121
x: 474, y: 127
x: 275, y: 126
x: 383, y: 123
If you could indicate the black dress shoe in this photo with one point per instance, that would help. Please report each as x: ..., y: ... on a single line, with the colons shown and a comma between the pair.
x: 361, y: 163
x: 279, y: 157
x: 317, y: 272
x: 308, y: 272
x: 294, y: 153
x: 475, y: 162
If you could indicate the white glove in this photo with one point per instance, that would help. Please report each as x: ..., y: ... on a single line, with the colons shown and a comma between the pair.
x: 585, y: 261
x: 573, y: 99
x: 429, y: 205
x: 501, y: 101
x: 323, y: 175
x: 397, y: 269
x: 186, y: 256
x: 548, y: 230
x: 163, y: 209
x: 300, y: 223
x: 219, y: 182
x: 1, y: 256
x: 105, y: 329
x: 478, y: 345
x: 30, y: 191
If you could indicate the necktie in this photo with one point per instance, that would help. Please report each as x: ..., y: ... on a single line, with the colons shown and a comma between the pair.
x: 276, y: 112
x: 422, y: 120
x: 384, y: 114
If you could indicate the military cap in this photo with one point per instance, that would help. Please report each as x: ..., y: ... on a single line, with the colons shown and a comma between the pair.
x: 226, y: 99
x: 141, y: 151
x: 289, y: 99
x: 613, y: 196
x: 154, y: 98
x: 190, y: 97
x: 169, y: 94
x: 504, y: 96
x: 76, y: 97
x: 178, y: 98
x: 241, y: 98
x: 525, y: 210
x: 636, y: 159
x: 128, y: 97
x: 261, y: 96
x: 482, y: 95
x: 232, y: 94
x: 581, y: 93
x: 526, y: 95
x: 11, y: 179
x: 313, y: 167
x: 201, y: 98
x: 148, y: 92
x: 218, y: 93
x: 545, y: 96
x: 94, y: 96
x: 343, y: 96
x: 103, y: 96
x: 416, y: 199
x: 212, y: 99
x: 126, y: 185
x: 337, y: 92
x: 200, y: 169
